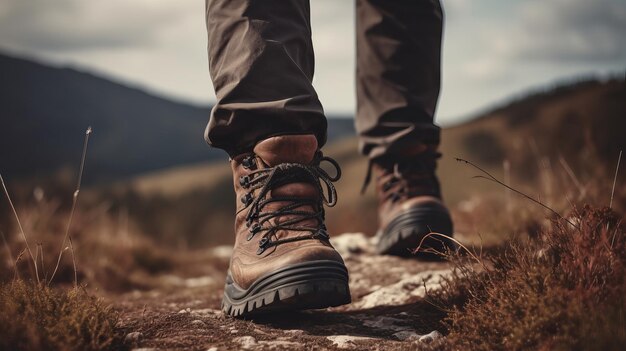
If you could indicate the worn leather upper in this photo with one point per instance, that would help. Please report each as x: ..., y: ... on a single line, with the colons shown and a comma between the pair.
x: 247, y: 265
x: 406, y: 180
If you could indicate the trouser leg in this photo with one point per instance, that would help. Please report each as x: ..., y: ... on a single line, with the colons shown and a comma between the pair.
x: 261, y: 63
x: 398, y: 73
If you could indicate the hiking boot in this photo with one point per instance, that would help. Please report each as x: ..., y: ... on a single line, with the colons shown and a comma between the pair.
x: 283, y: 259
x: 410, y: 205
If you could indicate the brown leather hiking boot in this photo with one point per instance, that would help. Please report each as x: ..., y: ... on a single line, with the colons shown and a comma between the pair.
x: 282, y: 259
x: 410, y: 205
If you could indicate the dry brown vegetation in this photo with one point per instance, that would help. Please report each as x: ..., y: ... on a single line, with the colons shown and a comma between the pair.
x: 562, y: 290
x: 36, y: 317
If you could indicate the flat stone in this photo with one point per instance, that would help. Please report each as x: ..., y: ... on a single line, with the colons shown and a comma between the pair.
x: 430, y: 337
x: 407, y: 335
x: 289, y: 345
x: 405, y: 290
x: 351, y: 243
x: 246, y: 342
x: 347, y: 341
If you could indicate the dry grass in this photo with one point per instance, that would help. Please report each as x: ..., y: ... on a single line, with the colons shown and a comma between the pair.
x: 35, y: 317
x: 561, y: 290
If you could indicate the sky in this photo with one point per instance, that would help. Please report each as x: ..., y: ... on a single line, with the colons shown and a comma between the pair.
x: 493, y: 50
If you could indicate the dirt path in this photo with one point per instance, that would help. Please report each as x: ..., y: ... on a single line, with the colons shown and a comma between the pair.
x: 388, y: 309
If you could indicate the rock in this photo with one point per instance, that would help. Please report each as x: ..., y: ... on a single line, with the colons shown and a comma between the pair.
x: 246, y: 342
x: 133, y: 337
x: 212, y: 349
x: 347, y: 341
x: 407, y: 335
x: 403, y: 291
x: 430, y: 337
x: 145, y: 349
x: 351, y: 243
x: 285, y: 345
x: 185, y: 310
x: 383, y: 323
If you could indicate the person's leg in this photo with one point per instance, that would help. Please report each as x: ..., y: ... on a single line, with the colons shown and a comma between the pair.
x: 270, y: 121
x: 398, y: 82
x: 261, y: 63
x: 398, y: 73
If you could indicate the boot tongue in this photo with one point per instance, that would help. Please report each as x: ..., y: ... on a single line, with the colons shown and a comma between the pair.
x: 287, y: 149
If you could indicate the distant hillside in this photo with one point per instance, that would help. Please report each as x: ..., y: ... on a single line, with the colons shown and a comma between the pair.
x: 44, y: 112
x: 581, y: 126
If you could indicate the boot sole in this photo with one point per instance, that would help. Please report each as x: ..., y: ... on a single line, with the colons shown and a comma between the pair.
x: 303, y: 286
x: 404, y: 234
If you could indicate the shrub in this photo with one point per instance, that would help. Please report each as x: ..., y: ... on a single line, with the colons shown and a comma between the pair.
x: 563, y: 290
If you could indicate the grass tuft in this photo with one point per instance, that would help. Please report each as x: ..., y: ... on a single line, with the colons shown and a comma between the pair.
x: 562, y: 290
x: 35, y: 317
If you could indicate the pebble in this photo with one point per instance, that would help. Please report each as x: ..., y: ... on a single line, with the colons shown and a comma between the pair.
x: 430, y: 337
x: 133, y: 337
x: 246, y: 342
x: 407, y: 335
x: 347, y: 341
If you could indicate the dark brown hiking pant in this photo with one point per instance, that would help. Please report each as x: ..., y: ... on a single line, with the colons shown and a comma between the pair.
x: 261, y: 62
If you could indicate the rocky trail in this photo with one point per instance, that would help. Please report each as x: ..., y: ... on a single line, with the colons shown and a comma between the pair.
x: 388, y: 309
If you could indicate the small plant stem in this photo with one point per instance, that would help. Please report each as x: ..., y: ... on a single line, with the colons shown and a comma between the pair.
x: 619, y: 159
x: 572, y: 175
x: 43, y: 268
x: 19, y: 224
x: 19, y: 257
x: 491, y: 178
x: 74, y: 263
x: 74, y: 202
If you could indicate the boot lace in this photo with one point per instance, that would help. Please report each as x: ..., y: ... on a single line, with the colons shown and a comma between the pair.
x: 407, y: 178
x: 264, y: 180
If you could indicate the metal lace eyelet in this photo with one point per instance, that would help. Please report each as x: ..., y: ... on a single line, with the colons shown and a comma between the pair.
x: 254, y: 229
x: 263, y: 243
x: 249, y: 162
x: 244, y: 181
x: 246, y: 199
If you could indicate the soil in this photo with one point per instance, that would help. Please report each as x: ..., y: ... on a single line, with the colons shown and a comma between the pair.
x: 389, y: 309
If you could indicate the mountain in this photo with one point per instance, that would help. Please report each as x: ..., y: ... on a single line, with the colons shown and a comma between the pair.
x: 44, y: 112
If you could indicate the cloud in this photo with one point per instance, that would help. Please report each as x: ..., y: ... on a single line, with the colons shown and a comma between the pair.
x: 70, y: 25
x: 492, y: 48
x: 569, y: 31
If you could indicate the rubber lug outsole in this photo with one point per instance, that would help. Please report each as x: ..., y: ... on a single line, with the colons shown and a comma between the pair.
x: 404, y: 234
x: 310, y: 285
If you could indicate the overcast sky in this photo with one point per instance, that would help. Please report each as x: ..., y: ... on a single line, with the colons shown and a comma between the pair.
x: 493, y: 49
